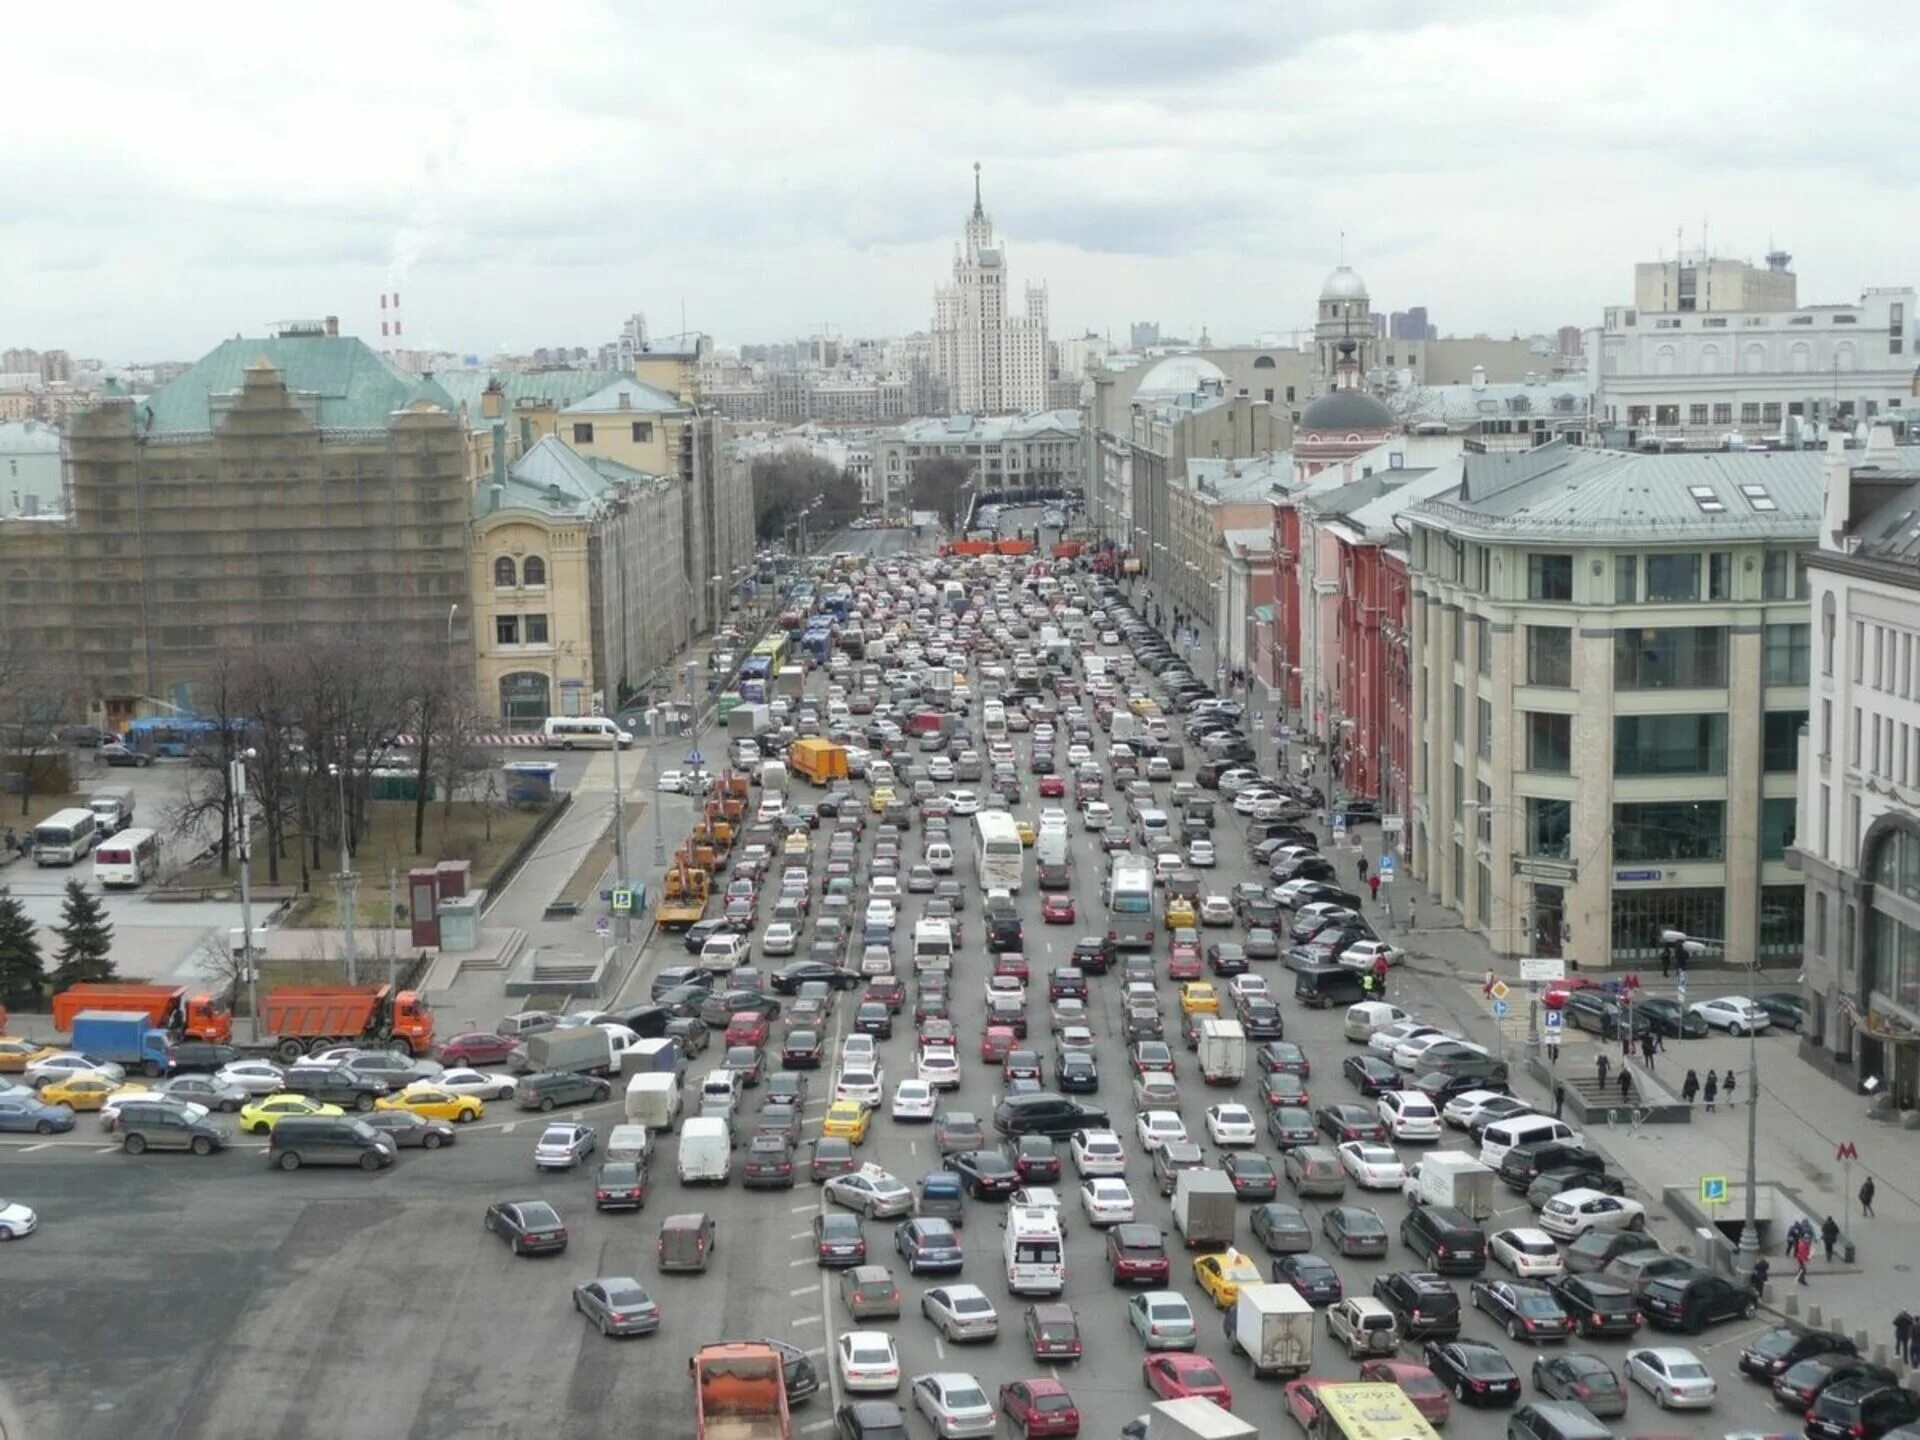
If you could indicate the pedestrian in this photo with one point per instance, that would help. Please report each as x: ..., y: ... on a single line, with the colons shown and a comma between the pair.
x: 1553, y: 1048
x: 1361, y: 863
x: 1802, y: 1253
x: 1829, y: 1235
x: 1373, y: 886
x: 1486, y: 984
x: 1727, y: 1085
x: 1626, y: 1043
x: 1380, y: 977
x: 1600, y: 1064
x: 1559, y: 1100
x: 1757, y: 1277
x: 1647, y: 1049
x: 1690, y: 1087
x: 1712, y: 1091
x: 1409, y: 914
x: 1626, y: 1085
x: 1366, y: 983
x: 1903, y: 1335
x: 1866, y: 1198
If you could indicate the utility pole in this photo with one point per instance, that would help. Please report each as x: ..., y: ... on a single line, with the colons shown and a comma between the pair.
x: 237, y: 784
x: 653, y: 774
x: 393, y: 915
x: 348, y: 886
x: 623, y: 919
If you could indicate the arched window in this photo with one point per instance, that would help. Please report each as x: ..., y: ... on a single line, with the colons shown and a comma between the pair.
x: 1263, y: 362
x: 1756, y: 359
x: 1663, y: 360
x: 533, y: 571
x: 1800, y: 358
x: 503, y: 573
x: 1709, y: 359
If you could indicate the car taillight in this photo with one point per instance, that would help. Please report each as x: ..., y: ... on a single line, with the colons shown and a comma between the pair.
x: 603, y: 1194
x: 1638, y: 1318
x: 1478, y: 1384
x: 1857, y: 1430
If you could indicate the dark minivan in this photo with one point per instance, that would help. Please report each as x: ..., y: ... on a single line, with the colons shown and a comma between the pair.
x: 328, y: 1140
x: 1520, y: 1165
x: 151, y: 1125
x: 1446, y: 1238
x: 1320, y: 986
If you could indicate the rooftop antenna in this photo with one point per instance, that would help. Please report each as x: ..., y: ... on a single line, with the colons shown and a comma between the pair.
x: 1343, y: 249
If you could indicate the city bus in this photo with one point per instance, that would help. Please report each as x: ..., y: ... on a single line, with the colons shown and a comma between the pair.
x: 1128, y: 892
x: 998, y: 855
x: 1366, y: 1412
x: 128, y: 859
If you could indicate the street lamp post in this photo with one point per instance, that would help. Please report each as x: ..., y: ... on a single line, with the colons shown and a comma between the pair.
x: 237, y: 783
x: 349, y: 943
x: 653, y: 779
x: 623, y: 918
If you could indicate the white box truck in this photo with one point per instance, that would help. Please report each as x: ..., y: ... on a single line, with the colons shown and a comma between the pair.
x: 747, y: 721
x: 1194, y: 1417
x: 1223, y: 1052
x: 1452, y: 1177
x: 1204, y: 1208
x: 1273, y: 1327
x: 653, y: 1099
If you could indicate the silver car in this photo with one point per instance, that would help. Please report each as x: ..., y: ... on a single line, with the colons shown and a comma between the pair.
x: 954, y: 1403
x: 561, y: 1147
x: 1163, y: 1319
x: 961, y: 1312
x: 617, y: 1305
x: 208, y: 1090
x: 256, y: 1077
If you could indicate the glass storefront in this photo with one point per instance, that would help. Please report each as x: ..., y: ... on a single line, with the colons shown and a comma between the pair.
x: 525, y: 700
x: 1670, y: 830
x: 1783, y: 921
x: 1640, y: 915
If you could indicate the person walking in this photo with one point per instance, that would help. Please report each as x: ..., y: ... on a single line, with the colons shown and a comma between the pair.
x: 1727, y: 1085
x: 1829, y: 1235
x: 1380, y: 977
x: 1486, y: 984
x: 1626, y: 1085
x: 1647, y: 1048
x: 1712, y: 1092
x: 1553, y: 1048
x: 1802, y: 1253
x: 1903, y: 1335
x: 1757, y: 1277
x: 1366, y: 983
x: 1626, y: 1043
x: 1361, y: 862
x: 1373, y: 886
x: 1559, y: 1099
x: 1690, y: 1087
x: 1866, y: 1200
x: 1600, y: 1063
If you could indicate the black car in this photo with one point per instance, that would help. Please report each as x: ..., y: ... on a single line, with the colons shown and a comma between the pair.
x: 1786, y: 1008
x: 1693, y: 1302
x: 874, y: 1018
x: 697, y: 935
x: 1601, y: 1013
x: 550, y: 1089
x: 1042, y: 1113
x: 1077, y: 1073
x: 1439, y: 1086
x: 1864, y: 1408
x: 1476, y: 1373
x: 334, y: 1085
x: 621, y: 1185
x: 838, y: 1239
x: 1092, y: 954
x: 1228, y: 958
x: 788, y: 979
x: 1803, y: 1382
x: 802, y: 1050
x: 1549, y: 1183
x: 1670, y: 1018
x: 1284, y: 1057
x: 869, y: 1420
x: 203, y: 1056
x: 1525, y: 1312
x: 1261, y: 1019
x: 987, y: 1174
x: 1350, y: 1122
x: 1424, y: 1305
x: 769, y: 1164
x: 408, y: 1131
x: 530, y: 1227
x: 803, y: 1381
x: 1785, y: 1346
x: 1290, y: 1126
x: 1370, y: 1074
x: 1314, y: 1277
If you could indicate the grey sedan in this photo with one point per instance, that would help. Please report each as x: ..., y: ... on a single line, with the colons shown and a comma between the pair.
x: 617, y: 1305
x: 409, y: 1131
x: 208, y: 1090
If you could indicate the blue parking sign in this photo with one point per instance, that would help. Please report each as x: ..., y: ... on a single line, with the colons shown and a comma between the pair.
x: 1554, y: 1020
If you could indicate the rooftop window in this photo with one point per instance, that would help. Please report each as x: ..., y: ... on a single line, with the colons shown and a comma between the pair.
x: 1758, y: 497
x: 1706, y: 499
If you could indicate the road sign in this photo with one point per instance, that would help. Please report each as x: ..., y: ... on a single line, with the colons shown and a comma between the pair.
x: 1846, y: 1151
x: 1339, y: 824
x: 1500, y: 1009
x: 1680, y: 988
x: 1555, y: 1020
x: 1386, y: 867
x: 1713, y: 1189
x: 1536, y: 968
x: 1259, y: 717
x: 695, y: 759
x: 622, y: 902
x: 602, y: 926
x: 1499, y: 990
x: 1286, y: 732
x: 1393, y: 824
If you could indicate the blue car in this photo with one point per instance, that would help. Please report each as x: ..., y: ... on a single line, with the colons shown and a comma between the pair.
x: 25, y: 1115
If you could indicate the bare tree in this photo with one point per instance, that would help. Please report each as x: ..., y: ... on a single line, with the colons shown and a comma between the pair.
x: 223, y: 969
x: 37, y: 696
x: 205, y: 805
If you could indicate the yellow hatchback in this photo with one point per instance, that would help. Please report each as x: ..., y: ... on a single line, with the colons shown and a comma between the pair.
x: 1222, y: 1273
x: 1198, y: 997
x: 1180, y: 913
x: 83, y: 1091
x: 880, y: 799
x: 260, y: 1117
x: 16, y: 1054
x: 1024, y: 828
x: 430, y: 1102
x: 847, y: 1120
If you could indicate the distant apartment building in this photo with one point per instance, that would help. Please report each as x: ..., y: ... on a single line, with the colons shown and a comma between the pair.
x: 1008, y: 454
x: 1411, y: 324
x: 31, y: 482
x: 993, y: 361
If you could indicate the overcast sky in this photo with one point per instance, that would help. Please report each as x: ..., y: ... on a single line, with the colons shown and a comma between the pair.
x: 531, y: 174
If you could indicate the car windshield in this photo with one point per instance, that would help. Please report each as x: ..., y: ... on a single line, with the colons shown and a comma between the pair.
x: 538, y: 1214
x: 1542, y: 1306
x: 1687, y: 1370
x: 1363, y: 1222
x: 971, y: 1304
x: 871, y: 1355
x: 966, y: 1397
x: 1484, y: 1361
x: 1170, y: 1310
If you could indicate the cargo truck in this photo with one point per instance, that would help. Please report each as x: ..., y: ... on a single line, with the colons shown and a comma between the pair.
x: 1194, y: 1417
x: 1452, y: 1177
x: 791, y: 682
x: 1223, y: 1052
x: 821, y: 761
x: 1204, y: 1208
x: 303, y: 1018
x: 747, y: 721
x: 585, y: 1049
x: 739, y: 1393
x: 189, y: 1014
x: 653, y: 1100
x: 124, y: 1038
x: 1272, y: 1325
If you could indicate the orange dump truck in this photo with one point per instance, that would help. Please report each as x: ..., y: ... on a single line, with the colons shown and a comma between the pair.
x: 304, y: 1018
x: 739, y: 1393
x: 184, y: 1013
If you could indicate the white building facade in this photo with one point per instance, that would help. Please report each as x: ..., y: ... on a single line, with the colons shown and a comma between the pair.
x: 1008, y: 454
x: 993, y: 362
x: 31, y: 482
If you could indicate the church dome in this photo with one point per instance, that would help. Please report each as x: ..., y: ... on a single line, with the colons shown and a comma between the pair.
x: 1345, y: 411
x: 1180, y: 375
x: 1344, y: 284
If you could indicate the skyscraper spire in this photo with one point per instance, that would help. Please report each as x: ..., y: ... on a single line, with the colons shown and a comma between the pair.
x: 976, y: 187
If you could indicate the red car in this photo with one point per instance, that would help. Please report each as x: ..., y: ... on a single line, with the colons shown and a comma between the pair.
x: 1303, y: 1401
x: 1558, y: 990
x: 747, y: 1027
x: 998, y: 1042
x: 1057, y: 909
x: 936, y: 1030
x: 476, y: 1047
x: 889, y: 991
x: 1183, y: 961
x: 1175, y: 1376
x: 1053, y: 787
x: 1421, y: 1385
x: 1012, y: 962
x: 1039, y: 1406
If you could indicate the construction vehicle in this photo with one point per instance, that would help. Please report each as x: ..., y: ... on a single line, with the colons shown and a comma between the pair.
x: 683, y: 898
x: 303, y: 1018
x: 184, y: 1013
x: 739, y: 1393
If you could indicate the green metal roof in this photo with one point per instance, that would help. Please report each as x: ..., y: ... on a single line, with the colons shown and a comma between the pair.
x: 556, y: 480
x: 346, y: 383
x: 532, y: 389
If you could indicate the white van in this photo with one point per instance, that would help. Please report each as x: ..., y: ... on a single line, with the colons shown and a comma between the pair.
x: 706, y: 1152
x: 939, y: 857
x: 1368, y: 1016
x: 65, y: 837
x: 584, y: 732
x: 1033, y: 1252
x: 933, y: 946
x: 1523, y: 1130
x: 653, y: 1099
x: 130, y: 858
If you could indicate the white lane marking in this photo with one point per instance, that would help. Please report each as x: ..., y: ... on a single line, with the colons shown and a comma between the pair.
x: 803, y: 1210
x: 803, y: 1290
x: 796, y: 1264
x: 816, y: 1352
x: 816, y: 1427
x: 43, y: 1145
x: 913, y: 1147
x: 803, y: 1234
x: 939, y: 1346
x: 508, y: 1128
x: 806, y: 1320
x: 108, y: 1150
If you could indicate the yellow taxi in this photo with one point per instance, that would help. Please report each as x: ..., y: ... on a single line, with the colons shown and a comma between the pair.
x: 261, y: 1116
x: 880, y: 799
x: 1026, y: 832
x: 847, y: 1120
x: 16, y: 1054
x: 1221, y: 1274
x: 1180, y: 913
x: 1141, y: 704
x: 83, y: 1091
x: 1198, y: 997
x: 432, y: 1102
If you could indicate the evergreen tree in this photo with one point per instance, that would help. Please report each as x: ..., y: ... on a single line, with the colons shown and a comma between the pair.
x: 23, y: 969
x: 85, y: 939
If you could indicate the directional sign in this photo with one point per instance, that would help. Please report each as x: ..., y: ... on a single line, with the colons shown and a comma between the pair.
x: 1680, y: 988
x: 1499, y: 990
x: 1555, y: 1020
x: 1713, y: 1189
x: 1534, y: 969
x: 1500, y: 1009
x: 622, y: 902
x: 1393, y: 824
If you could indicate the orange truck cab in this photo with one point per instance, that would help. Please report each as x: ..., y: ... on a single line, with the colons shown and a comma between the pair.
x: 303, y: 1018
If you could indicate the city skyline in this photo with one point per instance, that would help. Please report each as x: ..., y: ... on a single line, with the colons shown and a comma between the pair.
x: 807, y: 165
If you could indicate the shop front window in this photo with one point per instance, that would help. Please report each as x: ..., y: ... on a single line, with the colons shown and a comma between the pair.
x: 1639, y: 915
x: 1671, y: 830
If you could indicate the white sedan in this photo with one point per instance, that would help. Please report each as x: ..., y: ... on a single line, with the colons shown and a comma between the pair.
x: 1733, y: 1013
x: 964, y: 802
x: 1158, y: 1127
x: 913, y: 1100
x: 1231, y: 1125
x: 1107, y: 1201
x: 939, y: 1066
x: 1200, y: 854
x: 463, y: 1081
x: 1098, y: 1152
x: 866, y: 1087
x: 1373, y: 1166
x: 1572, y: 1213
x: 16, y: 1220
x: 1674, y: 1376
x: 868, y: 1361
x: 1526, y: 1253
x: 1250, y: 986
x: 954, y: 1404
x: 1386, y: 1039
x: 1362, y: 954
x: 780, y: 938
x: 1461, y: 1111
x: 256, y: 1077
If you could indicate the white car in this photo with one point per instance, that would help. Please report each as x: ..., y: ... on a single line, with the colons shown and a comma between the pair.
x: 960, y: 1312
x: 1291, y: 893
x: 1229, y: 1125
x: 1733, y: 1013
x: 1406, y: 1055
x: 1107, y: 1200
x: 1387, y: 1038
x: 563, y: 1146
x: 964, y: 802
x: 110, y: 1109
x: 1098, y: 815
x: 867, y: 1087
x: 876, y: 960
x: 1461, y: 1111
x: 1250, y: 986
x: 780, y: 938
x: 1409, y: 1115
x: 1158, y: 1127
x: 939, y: 1066
x: 882, y: 912
x: 1572, y: 1213
x: 1373, y: 1166
x: 1011, y: 985
x: 16, y: 1220
x: 1526, y: 1253
x: 859, y: 1052
x: 1200, y: 854
x: 955, y: 1404
x: 913, y: 1100
x: 868, y: 1361
x: 1362, y: 954
x: 256, y: 1077
x: 69, y: 1063
x: 1097, y: 1152
x: 463, y: 1081
x: 1674, y: 1376
x: 885, y: 887
x: 1076, y: 1037
x: 1216, y: 910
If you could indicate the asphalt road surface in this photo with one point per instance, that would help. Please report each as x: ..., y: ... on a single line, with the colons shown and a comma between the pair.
x: 217, y: 1300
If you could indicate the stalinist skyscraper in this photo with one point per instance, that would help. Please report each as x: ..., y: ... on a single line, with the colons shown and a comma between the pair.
x: 993, y: 362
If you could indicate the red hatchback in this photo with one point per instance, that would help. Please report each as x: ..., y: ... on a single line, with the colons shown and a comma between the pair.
x: 747, y: 1027
x: 1176, y: 1376
x: 477, y: 1047
x: 1012, y: 962
x: 1423, y: 1387
x: 889, y: 991
x: 1183, y: 962
x: 1039, y: 1407
x: 997, y: 1043
x: 1057, y: 909
x: 1137, y: 1255
x: 1053, y: 787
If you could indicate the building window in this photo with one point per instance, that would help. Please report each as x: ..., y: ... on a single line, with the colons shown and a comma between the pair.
x: 1672, y: 579
x: 1640, y: 915
x: 1781, y: 740
x: 1483, y: 644
x: 537, y: 630
x: 1776, y: 573
x: 642, y: 432
x: 1670, y: 745
x: 1626, y: 579
x: 1696, y: 414
x: 1550, y: 656
x: 1828, y: 622
x: 1290, y: 398
x: 506, y: 629
x: 534, y: 572
x: 1723, y: 413
x: 582, y: 433
x: 1776, y: 826
x: 1770, y: 412
x: 1549, y: 742
x: 1549, y: 827
x: 1788, y: 652
x: 1483, y: 813
x: 1459, y: 715
x: 1720, y: 576
x: 504, y: 573
x: 1783, y: 922
x: 1749, y: 413
x: 1676, y: 830
x: 1483, y: 735
x: 1670, y: 658
x: 1550, y: 577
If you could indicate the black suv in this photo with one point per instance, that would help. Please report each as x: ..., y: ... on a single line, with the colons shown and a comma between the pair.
x: 1446, y: 1238
x: 335, y: 1085
x: 1424, y: 1305
x: 1520, y: 1165
x: 1004, y: 931
x: 1598, y: 1307
x: 1040, y: 1113
x: 1599, y: 1012
x: 551, y: 1088
x: 1861, y: 1409
x: 1693, y: 1302
x: 1780, y: 1349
